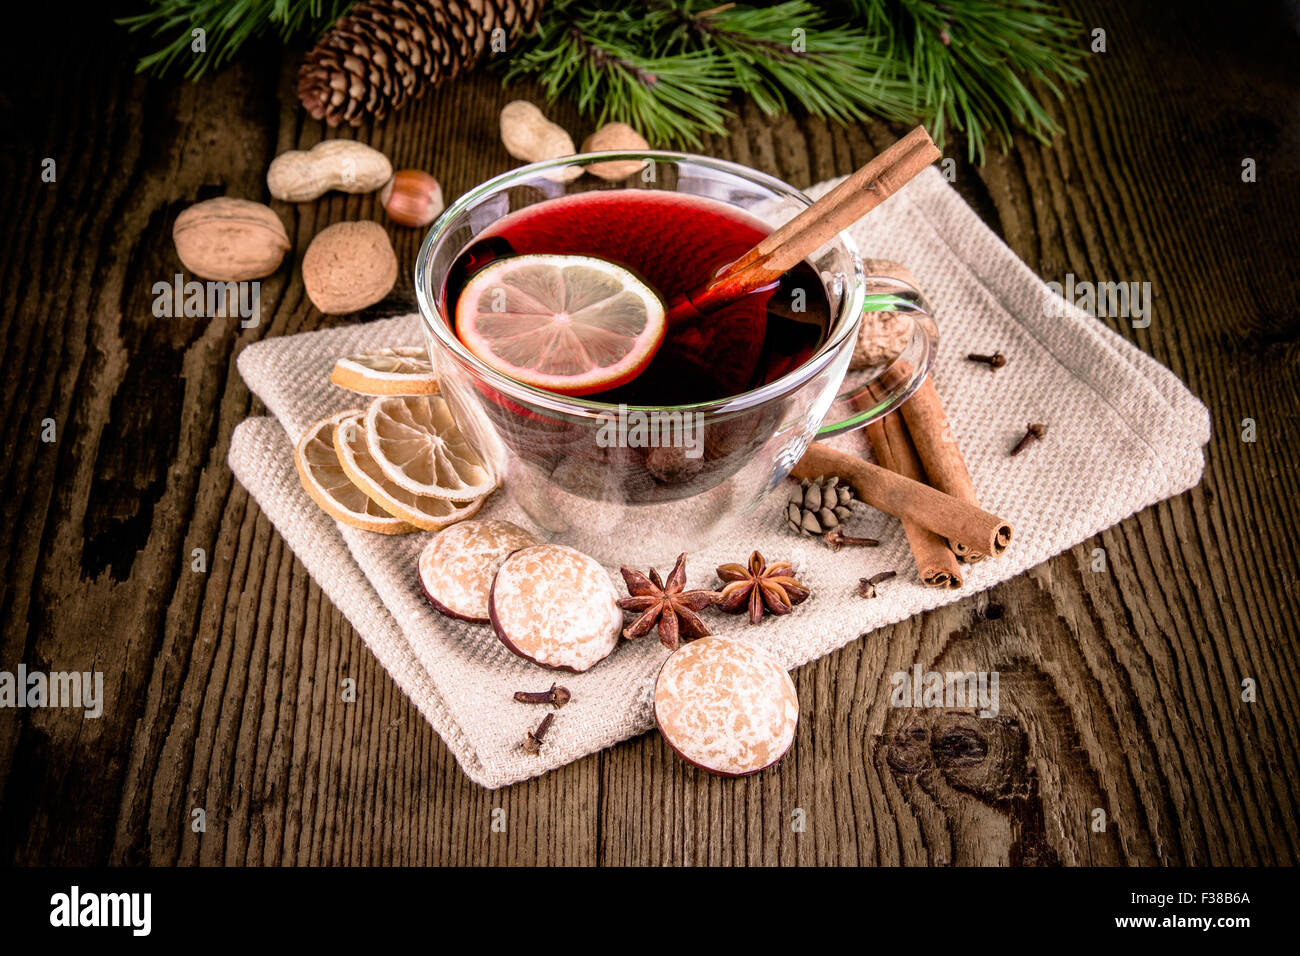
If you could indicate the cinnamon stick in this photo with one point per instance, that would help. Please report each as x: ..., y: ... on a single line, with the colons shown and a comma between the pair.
x: 837, y: 198
x: 939, y: 453
x: 892, y: 446
x: 894, y: 494
x: 807, y: 232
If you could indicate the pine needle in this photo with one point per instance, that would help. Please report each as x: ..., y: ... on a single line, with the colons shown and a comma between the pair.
x: 973, y: 64
x: 227, y: 25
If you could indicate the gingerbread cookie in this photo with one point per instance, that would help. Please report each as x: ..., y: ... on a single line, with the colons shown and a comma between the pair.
x: 457, y: 567
x: 556, y: 607
x: 725, y: 706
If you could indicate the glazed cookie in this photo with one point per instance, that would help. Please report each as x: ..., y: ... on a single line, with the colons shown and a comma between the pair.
x: 726, y: 707
x: 556, y: 607
x: 457, y: 567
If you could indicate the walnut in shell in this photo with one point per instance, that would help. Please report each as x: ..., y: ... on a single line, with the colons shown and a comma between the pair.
x: 885, y: 274
x: 230, y: 240
x: 348, y: 266
x: 883, y: 335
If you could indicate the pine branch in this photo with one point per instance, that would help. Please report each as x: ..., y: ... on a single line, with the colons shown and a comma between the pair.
x: 595, y: 56
x: 973, y: 63
x: 227, y: 25
x: 789, y: 51
x: 968, y: 65
x: 692, y: 61
x: 673, y: 68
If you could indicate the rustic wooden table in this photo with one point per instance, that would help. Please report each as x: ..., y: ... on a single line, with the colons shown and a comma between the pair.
x: 1124, y: 687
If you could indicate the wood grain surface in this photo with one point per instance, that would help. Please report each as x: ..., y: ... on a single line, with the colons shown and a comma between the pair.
x: 1121, y: 689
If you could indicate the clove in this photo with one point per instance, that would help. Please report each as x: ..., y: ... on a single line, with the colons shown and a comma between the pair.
x: 557, y: 696
x: 1033, y: 432
x: 836, y: 539
x: 994, y: 361
x: 533, y: 745
x: 867, y: 586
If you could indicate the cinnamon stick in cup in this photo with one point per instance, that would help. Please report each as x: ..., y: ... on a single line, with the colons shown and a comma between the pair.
x: 950, y: 517
x: 816, y: 225
x: 892, y: 446
x: 853, y: 198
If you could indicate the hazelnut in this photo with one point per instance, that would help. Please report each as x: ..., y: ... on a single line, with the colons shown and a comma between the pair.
x: 412, y: 198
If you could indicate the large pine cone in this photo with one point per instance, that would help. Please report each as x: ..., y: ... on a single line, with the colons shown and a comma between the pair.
x: 384, y: 52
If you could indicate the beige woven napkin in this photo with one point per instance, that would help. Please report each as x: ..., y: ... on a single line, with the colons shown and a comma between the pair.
x: 1124, y: 434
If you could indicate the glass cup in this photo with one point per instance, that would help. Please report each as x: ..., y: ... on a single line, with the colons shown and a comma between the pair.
x: 640, y: 484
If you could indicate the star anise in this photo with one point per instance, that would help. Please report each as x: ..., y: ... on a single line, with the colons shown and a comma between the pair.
x: 760, y: 586
x: 666, y: 603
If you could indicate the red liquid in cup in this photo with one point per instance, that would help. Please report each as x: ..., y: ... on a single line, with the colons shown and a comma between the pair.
x: 676, y: 243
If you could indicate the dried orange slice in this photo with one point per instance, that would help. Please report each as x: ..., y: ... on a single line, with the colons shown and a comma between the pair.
x: 362, y: 470
x: 323, y: 478
x: 405, y: 370
x: 416, y: 443
x: 571, y: 324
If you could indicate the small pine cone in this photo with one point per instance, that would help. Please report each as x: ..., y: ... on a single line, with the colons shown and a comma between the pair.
x: 817, y: 506
x: 384, y: 52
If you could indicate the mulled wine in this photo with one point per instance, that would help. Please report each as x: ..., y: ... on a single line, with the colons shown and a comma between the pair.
x: 675, y: 243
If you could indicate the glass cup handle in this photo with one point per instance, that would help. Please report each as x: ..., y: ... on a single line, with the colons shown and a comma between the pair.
x: 905, y: 374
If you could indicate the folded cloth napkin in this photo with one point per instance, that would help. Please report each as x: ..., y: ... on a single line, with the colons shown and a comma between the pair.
x: 1124, y: 434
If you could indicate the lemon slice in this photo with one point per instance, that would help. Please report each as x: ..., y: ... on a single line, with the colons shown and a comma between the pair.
x: 422, y: 511
x: 323, y: 478
x: 571, y: 324
x: 405, y: 370
x: 417, y: 445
